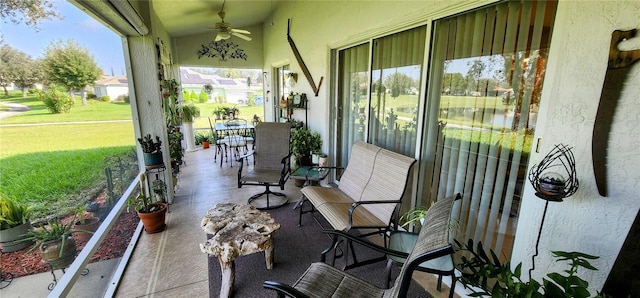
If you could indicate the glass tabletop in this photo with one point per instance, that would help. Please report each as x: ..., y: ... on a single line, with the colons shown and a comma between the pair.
x: 310, y: 173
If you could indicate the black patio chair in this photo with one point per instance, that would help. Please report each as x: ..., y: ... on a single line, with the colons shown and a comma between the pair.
x: 321, y: 280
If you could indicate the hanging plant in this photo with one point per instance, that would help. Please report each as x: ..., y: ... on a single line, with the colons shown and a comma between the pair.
x: 223, y: 50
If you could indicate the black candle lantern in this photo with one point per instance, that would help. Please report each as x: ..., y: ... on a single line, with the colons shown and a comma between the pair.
x: 554, y: 178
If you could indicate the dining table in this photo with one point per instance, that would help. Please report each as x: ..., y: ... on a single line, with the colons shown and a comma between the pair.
x: 231, y: 131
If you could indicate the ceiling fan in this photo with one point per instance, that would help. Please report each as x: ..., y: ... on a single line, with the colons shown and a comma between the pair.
x: 224, y: 30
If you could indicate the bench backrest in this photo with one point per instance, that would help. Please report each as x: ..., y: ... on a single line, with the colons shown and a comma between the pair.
x: 375, y: 174
x: 388, y: 182
x: 358, y: 172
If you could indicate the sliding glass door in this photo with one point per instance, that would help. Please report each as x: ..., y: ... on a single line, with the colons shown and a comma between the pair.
x: 487, y: 69
x: 385, y: 111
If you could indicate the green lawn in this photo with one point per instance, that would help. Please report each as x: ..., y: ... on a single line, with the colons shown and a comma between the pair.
x: 51, y: 166
x: 94, y: 111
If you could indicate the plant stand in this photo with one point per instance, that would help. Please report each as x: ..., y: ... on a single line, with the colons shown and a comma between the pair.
x: 55, y: 280
x: 5, y: 278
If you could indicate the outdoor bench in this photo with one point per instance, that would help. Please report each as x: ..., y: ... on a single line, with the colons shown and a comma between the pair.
x: 369, y: 194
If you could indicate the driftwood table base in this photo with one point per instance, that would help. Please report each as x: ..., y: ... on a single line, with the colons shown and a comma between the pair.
x: 237, y: 230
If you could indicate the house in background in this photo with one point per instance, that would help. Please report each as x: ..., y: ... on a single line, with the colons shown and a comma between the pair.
x: 227, y: 90
x: 113, y: 87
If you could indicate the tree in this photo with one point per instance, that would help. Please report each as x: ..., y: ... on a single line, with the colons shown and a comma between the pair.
x: 186, y: 96
x: 18, y: 68
x: 453, y: 83
x: 474, y: 74
x: 8, y: 56
x: 194, y: 96
x: 70, y: 65
x: 399, y: 83
x: 29, y: 75
x: 203, y: 97
x: 31, y: 12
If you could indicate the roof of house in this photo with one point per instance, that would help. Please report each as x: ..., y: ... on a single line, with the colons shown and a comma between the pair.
x: 110, y: 81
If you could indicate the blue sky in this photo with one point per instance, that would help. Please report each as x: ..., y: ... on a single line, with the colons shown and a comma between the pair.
x: 104, y: 45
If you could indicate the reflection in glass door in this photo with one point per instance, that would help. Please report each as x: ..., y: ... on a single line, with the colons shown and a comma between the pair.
x: 397, y: 68
x: 487, y: 71
x: 353, y: 92
x: 281, y: 90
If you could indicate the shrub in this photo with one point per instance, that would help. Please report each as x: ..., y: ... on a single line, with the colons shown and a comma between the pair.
x: 123, y: 98
x: 186, y: 96
x: 56, y: 99
x: 91, y: 95
x: 194, y: 96
x: 106, y: 98
x: 204, y: 97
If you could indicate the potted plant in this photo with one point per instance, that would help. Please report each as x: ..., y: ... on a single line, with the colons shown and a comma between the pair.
x: 206, y: 141
x: 86, y: 223
x: 14, y: 224
x: 159, y: 189
x: 203, y: 139
x: 414, y: 215
x: 152, y: 153
x: 188, y: 113
x: 151, y: 213
x: 55, y: 242
x: 303, y: 143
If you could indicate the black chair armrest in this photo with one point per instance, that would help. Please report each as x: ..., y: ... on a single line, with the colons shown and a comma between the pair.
x: 283, y: 289
x: 364, y: 242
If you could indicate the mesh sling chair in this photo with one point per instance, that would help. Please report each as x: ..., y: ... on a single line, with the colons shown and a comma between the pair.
x: 321, y: 280
x: 219, y: 142
x: 271, y: 157
x: 235, y: 139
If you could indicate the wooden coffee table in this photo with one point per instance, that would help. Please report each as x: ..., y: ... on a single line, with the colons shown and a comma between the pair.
x: 237, y: 230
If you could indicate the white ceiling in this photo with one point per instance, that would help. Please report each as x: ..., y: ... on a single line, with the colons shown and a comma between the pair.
x: 195, y: 16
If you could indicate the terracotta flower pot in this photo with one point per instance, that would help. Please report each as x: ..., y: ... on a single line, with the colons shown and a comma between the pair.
x: 205, y: 145
x: 90, y: 224
x: 154, y: 222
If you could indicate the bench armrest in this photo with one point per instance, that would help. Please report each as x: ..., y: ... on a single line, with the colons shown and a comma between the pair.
x: 357, y: 204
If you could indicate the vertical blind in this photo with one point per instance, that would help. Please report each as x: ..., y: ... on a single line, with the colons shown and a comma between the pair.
x: 487, y: 68
x: 396, y: 73
x: 353, y: 90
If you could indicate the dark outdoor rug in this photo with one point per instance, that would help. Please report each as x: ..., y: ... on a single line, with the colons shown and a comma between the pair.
x: 295, y: 249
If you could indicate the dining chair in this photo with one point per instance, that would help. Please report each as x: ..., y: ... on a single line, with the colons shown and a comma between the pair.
x: 219, y: 142
x: 235, y: 138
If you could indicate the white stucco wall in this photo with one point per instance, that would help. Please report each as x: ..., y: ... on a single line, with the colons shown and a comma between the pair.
x: 576, y: 68
x: 577, y: 63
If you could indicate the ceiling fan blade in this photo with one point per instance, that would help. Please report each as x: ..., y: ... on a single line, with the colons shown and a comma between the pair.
x: 247, y: 38
x: 242, y: 31
x: 218, y: 37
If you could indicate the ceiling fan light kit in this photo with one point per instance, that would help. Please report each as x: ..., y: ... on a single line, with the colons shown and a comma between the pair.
x: 225, y: 31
